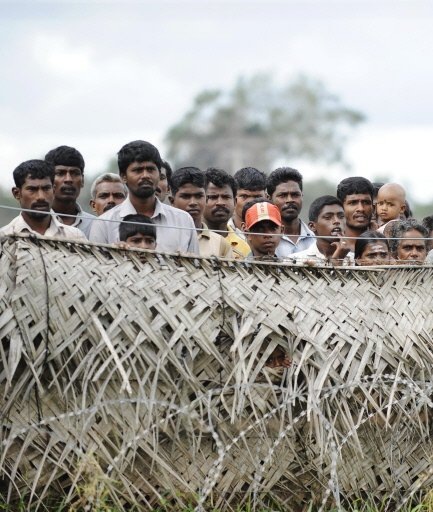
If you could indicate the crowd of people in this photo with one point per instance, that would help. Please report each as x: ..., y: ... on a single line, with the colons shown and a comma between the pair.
x: 211, y: 213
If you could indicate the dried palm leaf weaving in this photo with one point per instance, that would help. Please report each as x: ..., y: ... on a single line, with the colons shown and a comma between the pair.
x: 149, y: 371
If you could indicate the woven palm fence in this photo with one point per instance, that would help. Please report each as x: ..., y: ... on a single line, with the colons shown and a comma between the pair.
x: 143, y: 378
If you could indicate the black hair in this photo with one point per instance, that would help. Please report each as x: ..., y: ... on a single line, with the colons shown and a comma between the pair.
x: 367, y: 238
x: 186, y: 175
x: 354, y: 185
x: 400, y: 228
x: 254, y: 201
x: 219, y: 178
x: 65, y: 155
x: 250, y: 178
x: 35, y: 169
x: 377, y: 185
x: 137, y: 151
x: 407, y: 210
x: 318, y: 204
x: 142, y: 224
x: 283, y: 175
x: 168, y: 171
x: 427, y: 222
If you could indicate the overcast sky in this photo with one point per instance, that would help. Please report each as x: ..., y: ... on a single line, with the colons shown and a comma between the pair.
x: 97, y: 74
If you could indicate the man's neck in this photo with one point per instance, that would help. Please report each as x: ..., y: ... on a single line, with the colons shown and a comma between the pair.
x: 325, y: 247
x: 38, y: 225
x: 64, y: 209
x: 218, y: 226
x: 144, y: 206
x: 292, y: 229
x: 352, y: 234
x: 237, y: 221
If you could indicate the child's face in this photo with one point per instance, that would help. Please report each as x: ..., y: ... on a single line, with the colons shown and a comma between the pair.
x: 264, y: 244
x: 388, y: 207
x: 141, y: 241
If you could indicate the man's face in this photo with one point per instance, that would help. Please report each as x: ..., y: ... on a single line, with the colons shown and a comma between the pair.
x: 35, y: 194
x: 288, y: 197
x: 107, y: 195
x: 141, y: 241
x: 162, y: 189
x: 412, y: 247
x: 141, y: 178
x: 329, y: 223
x: 220, y: 204
x: 68, y: 182
x: 191, y: 199
x: 243, y: 196
x: 264, y: 244
x: 358, y: 209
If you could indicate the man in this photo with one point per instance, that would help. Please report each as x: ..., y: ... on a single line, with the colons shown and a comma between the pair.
x: 188, y: 194
x: 250, y: 184
x: 68, y: 182
x: 263, y: 227
x: 327, y: 222
x: 220, y: 204
x: 356, y: 195
x: 106, y: 192
x: 139, y: 165
x: 163, y: 188
x: 284, y: 187
x: 34, y: 191
x: 408, y: 241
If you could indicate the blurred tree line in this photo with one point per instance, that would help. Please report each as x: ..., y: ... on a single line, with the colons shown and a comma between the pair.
x: 258, y: 123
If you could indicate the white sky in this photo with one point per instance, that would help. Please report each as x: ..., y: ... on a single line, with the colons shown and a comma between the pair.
x: 96, y: 75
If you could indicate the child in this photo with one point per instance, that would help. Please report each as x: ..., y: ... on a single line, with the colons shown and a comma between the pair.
x: 140, y: 234
x: 391, y: 204
x: 262, y: 224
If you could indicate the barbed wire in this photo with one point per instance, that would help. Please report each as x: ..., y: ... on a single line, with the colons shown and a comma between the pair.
x: 190, y: 228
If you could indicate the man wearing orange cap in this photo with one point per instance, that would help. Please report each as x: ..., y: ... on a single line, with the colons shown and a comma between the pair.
x: 263, y: 228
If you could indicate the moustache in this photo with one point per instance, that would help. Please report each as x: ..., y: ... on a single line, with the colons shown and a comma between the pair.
x: 146, y: 182
x: 68, y: 189
x: 221, y: 209
x: 290, y: 206
x: 40, y: 205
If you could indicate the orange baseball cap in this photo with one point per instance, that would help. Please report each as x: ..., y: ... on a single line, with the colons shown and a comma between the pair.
x: 262, y: 211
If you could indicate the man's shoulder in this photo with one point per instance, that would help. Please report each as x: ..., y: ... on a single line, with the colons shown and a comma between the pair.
x: 8, y: 229
x: 114, y: 212
x: 176, y: 213
x: 87, y: 215
x: 72, y: 232
x: 305, y: 230
x: 312, y: 252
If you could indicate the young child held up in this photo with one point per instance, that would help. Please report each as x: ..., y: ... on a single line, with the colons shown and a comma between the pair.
x: 391, y: 204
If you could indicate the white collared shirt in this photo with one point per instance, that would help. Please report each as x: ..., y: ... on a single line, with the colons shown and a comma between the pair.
x: 55, y: 230
x: 175, y: 229
x: 287, y: 247
x: 83, y: 221
x: 314, y: 255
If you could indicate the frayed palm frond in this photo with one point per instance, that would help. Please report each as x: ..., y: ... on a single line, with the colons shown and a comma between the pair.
x: 138, y: 379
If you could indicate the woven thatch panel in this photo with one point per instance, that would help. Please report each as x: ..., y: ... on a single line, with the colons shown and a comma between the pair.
x: 150, y: 370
